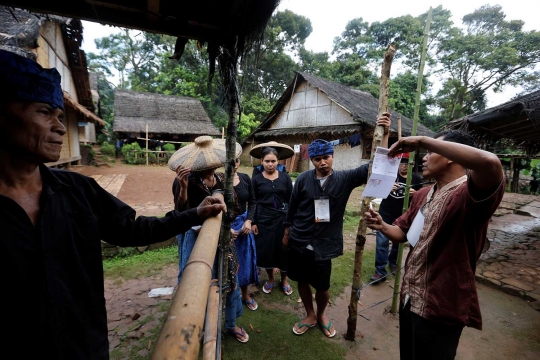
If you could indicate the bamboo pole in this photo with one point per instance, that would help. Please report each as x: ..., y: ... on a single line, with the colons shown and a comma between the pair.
x: 146, y: 144
x: 211, y: 323
x: 182, y: 331
x: 361, y: 232
x: 395, y: 299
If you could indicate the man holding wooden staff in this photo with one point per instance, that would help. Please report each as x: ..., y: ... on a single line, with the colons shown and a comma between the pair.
x: 446, y: 226
x: 314, y: 227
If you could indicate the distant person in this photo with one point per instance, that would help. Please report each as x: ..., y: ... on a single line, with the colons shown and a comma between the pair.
x: 533, y: 184
x: 314, y: 241
x: 52, y: 223
x: 390, y: 209
x: 446, y: 226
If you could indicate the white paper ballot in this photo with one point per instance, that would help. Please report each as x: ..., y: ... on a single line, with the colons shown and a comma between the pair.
x: 383, y: 174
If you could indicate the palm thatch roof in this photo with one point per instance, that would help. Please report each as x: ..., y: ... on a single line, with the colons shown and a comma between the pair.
x: 19, y: 33
x: 515, y: 123
x: 164, y: 114
x: 361, y: 105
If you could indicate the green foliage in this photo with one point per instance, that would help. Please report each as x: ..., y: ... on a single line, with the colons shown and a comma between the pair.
x: 169, y: 147
x: 246, y: 125
x: 108, y: 149
x: 101, y: 138
x: 133, y: 154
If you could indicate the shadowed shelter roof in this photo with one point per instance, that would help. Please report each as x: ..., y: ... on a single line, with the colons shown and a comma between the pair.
x: 363, y: 107
x: 515, y: 123
x: 165, y: 114
x: 204, y: 20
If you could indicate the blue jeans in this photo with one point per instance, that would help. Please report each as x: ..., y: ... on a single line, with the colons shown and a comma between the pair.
x: 233, y: 305
x: 381, y: 254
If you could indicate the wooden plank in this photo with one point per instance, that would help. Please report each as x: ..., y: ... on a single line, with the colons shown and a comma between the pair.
x: 116, y: 184
x: 96, y: 177
x: 106, y: 180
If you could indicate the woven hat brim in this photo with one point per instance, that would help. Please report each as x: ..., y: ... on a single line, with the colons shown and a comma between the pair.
x: 198, y: 159
x: 284, y: 151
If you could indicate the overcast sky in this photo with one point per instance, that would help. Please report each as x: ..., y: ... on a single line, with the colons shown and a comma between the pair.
x: 329, y: 18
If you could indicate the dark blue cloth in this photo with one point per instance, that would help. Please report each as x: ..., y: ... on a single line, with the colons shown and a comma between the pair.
x: 320, y: 147
x: 23, y: 79
x: 354, y: 140
x: 247, y: 254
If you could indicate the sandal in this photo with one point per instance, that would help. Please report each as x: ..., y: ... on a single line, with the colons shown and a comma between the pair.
x: 300, y: 326
x: 327, y: 328
x: 251, y: 305
x: 268, y: 286
x: 244, y: 336
x: 287, y: 290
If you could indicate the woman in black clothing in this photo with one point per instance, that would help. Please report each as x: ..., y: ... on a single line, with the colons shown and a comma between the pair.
x: 272, y: 191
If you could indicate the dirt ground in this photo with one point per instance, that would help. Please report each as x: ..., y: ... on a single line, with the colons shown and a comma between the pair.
x: 511, y: 327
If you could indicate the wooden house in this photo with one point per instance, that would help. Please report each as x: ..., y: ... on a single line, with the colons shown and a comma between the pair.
x: 168, y: 117
x: 314, y: 108
x: 54, y: 42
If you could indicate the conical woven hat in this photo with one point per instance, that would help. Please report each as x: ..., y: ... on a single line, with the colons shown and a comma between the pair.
x: 205, y: 153
x: 284, y: 151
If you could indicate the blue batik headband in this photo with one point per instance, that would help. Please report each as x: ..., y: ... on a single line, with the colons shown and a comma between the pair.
x: 22, y: 79
x: 320, y: 147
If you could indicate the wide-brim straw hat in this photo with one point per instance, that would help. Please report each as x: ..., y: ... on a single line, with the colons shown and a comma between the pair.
x: 284, y: 151
x: 204, y: 154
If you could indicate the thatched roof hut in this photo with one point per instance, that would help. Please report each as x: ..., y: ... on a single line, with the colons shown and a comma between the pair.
x: 312, y: 107
x: 21, y: 31
x: 361, y: 106
x: 515, y: 123
x: 166, y: 115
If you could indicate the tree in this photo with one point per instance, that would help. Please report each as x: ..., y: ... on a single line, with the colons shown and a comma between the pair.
x: 490, y: 53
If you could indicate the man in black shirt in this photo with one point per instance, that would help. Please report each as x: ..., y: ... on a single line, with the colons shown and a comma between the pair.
x: 52, y: 223
x: 390, y: 209
x: 314, y: 227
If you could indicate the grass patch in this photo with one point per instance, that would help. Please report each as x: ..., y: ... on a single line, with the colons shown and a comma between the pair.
x: 276, y: 341
x: 145, y: 264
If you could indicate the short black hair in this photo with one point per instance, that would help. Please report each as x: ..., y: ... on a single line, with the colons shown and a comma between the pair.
x: 456, y: 136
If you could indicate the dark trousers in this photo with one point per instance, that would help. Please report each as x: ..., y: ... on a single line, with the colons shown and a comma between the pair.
x: 421, y: 339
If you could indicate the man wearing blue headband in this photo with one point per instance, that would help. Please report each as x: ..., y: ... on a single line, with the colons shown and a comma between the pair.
x: 314, y: 227
x: 52, y: 223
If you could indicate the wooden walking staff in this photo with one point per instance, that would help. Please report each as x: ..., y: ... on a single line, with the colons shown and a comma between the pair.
x: 361, y: 232
x: 397, y: 279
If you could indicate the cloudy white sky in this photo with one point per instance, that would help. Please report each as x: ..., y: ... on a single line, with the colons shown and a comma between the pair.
x: 329, y: 18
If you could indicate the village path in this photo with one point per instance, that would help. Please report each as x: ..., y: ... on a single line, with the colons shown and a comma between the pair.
x: 511, y: 323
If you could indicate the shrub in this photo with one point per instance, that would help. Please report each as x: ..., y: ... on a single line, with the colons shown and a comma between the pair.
x: 169, y: 147
x: 108, y: 149
x: 133, y: 154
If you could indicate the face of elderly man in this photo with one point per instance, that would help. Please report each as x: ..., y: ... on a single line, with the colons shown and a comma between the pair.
x: 32, y: 131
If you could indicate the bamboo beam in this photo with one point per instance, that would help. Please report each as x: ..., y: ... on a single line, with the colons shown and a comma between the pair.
x: 211, y: 323
x: 397, y: 277
x: 181, y: 333
x: 361, y: 232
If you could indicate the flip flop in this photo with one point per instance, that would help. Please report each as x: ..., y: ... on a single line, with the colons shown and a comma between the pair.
x: 254, y: 305
x: 268, y: 286
x: 287, y: 290
x: 300, y: 326
x: 328, y: 327
x: 242, y: 333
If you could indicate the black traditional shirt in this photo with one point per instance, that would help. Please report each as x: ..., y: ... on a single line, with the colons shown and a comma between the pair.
x: 53, y: 291
x: 326, y: 238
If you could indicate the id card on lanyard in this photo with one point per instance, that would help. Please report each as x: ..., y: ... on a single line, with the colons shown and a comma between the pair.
x: 322, y: 209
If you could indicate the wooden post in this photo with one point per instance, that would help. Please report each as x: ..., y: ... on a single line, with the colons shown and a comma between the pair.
x: 397, y: 278
x: 182, y: 331
x: 146, y: 144
x: 361, y: 232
